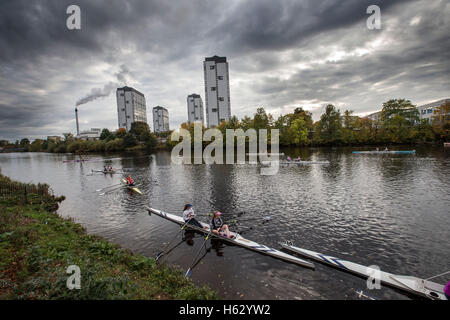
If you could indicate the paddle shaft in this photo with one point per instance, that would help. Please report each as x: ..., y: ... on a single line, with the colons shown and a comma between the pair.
x: 196, y: 256
x: 171, y: 241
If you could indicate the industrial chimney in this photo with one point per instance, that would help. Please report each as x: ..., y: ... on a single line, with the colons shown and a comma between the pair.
x: 76, y: 117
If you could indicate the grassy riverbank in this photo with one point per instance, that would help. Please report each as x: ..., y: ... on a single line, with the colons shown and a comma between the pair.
x: 37, y: 246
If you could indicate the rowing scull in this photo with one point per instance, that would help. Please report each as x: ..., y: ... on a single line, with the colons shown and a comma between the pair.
x: 237, y: 240
x: 386, y: 152
x: 414, y: 285
x: 131, y: 187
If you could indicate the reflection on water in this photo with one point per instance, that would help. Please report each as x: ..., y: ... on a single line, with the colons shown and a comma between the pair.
x: 387, y: 210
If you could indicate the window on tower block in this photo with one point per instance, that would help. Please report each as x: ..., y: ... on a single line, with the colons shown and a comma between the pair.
x: 214, y: 110
x: 213, y: 88
x: 220, y: 98
x: 211, y: 67
x: 220, y: 77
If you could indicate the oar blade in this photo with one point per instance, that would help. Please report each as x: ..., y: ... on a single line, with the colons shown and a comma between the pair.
x: 159, y: 255
x: 188, y: 273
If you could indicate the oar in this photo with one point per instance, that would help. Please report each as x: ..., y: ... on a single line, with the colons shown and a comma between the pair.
x: 110, y: 190
x: 114, y: 185
x: 188, y: 271
x: 167, y: 246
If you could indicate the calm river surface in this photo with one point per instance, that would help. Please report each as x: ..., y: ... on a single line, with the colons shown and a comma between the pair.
x: 386, y: 210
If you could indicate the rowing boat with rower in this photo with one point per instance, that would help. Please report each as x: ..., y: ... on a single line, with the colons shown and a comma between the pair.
x: 83, y: 160
x: 237, y: 239
x: 386, y: 152
x: 105, y: 172
x: 132, y: 187
x: 297, y: 162
x: 413, y: 285
x: 303, y: 162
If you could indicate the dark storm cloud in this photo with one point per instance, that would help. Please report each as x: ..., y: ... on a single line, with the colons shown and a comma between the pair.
x: 282, y: 54
x: 276, y: 25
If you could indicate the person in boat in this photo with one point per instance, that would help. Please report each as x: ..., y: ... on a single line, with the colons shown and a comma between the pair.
x: 188, y: 216
x: 288, y: 159
x: 111, y: 169
x: 386, y: 149
x: 298, y: 159
x: 218, y: 227
x: 130, y: 181
x: 377, y: 149
x: 105, y: 169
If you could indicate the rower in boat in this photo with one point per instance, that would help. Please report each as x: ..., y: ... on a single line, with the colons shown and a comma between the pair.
x: 105, y: 170
x: 130, y: 181
x: 188, y: 216
x: 218, y: 227
x: 298, y: 159
x: 386, y: 149
x: 288, y: 159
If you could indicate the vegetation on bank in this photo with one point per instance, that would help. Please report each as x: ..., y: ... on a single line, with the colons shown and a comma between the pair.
x: 37, y: 246
x: 398, y: 123
x: 139, y: 138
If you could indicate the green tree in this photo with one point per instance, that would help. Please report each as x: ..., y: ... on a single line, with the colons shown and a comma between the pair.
x: 36, y: 145
x: 399, y: 118
x: 68, y: 137
x: 401, y: 107
x: 246, y: 123
x: 24, y: 143
x: 261, y: 120
x: 297, y: 133
x: 150, y: 141
x: 106, y: 135
x: 139, y: 129
x: 121, y: 132
x: 329, y: 127
x: 129, y: 140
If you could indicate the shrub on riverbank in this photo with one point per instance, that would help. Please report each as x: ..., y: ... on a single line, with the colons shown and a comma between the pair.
x: 37, y: 246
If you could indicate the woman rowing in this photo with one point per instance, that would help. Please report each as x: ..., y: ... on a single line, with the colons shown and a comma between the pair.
x: 130, y: 181
x: 188, y: 216
x: 218, y: 227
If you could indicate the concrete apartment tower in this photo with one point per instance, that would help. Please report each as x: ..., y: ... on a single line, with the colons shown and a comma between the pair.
x: 195, y: 108
x: 160, y: 119
x: 217, y: 90
x: 130, y: 107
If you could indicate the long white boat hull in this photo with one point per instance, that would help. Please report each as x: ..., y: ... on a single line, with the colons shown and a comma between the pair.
x: 300, y: 163
x: 386, y: 152
x: 237, y: 240
x: 409, y: 284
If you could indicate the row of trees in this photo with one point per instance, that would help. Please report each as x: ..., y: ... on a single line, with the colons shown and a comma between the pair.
x: 139, y: 138
x: 399, y: 123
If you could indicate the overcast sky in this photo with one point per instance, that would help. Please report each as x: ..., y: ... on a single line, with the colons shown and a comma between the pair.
x: 282, y: 54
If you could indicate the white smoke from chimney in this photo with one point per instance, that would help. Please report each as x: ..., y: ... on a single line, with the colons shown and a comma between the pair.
x: 96, y: 93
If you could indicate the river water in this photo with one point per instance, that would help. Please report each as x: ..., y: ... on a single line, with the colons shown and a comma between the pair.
x: 385, y: 210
